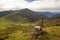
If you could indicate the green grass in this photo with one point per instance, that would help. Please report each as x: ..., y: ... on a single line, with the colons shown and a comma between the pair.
x: 18, y: 36
x: 53, y: 32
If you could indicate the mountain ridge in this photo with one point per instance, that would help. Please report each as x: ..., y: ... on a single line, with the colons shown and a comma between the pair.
x: 29, y: 14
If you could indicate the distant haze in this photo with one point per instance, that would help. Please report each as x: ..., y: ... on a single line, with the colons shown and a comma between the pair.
x: 37, y: 5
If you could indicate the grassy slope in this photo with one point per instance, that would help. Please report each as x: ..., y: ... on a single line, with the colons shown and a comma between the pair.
x: 53, y: 34
x: 4, y: 23
x: 53, y: 31
x: 14, y: 19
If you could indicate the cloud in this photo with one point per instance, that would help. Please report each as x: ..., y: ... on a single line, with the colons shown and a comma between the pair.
x: 13, y: 4
x: 34, y: 4
x: 30, y: 0
x: 46, y: 4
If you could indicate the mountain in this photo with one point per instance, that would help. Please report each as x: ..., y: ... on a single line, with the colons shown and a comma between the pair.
x: 27, y: 15
x: 56, y: 15
x: 4, y: 13
x: 24, y: 14
x: 50, y: 15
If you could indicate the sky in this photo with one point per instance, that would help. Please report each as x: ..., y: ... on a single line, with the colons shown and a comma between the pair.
x: 36, y: 5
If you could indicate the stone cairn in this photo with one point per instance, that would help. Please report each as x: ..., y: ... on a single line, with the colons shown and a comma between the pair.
x: 38, y: 33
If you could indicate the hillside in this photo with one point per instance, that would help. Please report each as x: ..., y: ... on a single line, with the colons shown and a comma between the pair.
x: 49, y: 22
x: 50, y: 15
x: 5, y: 13
x: 27, y: 16
x: 24, y: 14
x: 19, y: 25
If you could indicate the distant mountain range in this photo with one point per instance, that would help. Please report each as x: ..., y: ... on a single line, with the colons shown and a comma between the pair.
x: 28, y: 15
x: 50, y: 14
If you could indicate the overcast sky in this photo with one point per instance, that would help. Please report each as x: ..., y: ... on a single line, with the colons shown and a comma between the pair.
x: 39, y: 5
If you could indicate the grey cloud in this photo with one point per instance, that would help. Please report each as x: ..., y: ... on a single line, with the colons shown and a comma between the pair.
x: 30, y: 0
